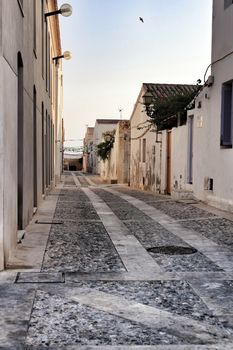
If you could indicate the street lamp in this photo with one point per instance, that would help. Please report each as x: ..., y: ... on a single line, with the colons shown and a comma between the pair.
x: 66, y: 55
x: 148, y: 98
x: 65, y: 10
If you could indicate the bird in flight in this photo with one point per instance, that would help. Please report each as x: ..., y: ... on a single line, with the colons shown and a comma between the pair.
x: 141, y: 19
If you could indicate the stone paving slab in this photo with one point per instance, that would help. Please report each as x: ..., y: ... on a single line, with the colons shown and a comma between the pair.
x: 105, y: 322
x: 217, y: 295
x: 15, y: 309
x: 39, y: 277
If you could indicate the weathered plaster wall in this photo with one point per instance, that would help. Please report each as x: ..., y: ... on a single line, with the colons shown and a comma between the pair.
x: 145, y: 175
x: 99, y: 129
x: 1, y: 163
x: 116, y: 167
x: 10, y: 157
x: 16, y: 35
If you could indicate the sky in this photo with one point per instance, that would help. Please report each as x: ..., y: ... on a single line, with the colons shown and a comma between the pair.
x: 113, y: 53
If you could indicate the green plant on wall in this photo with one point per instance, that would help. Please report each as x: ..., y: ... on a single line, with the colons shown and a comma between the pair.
x: 104, y: 147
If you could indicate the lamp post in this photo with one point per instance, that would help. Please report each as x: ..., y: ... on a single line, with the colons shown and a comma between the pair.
x: 66, y: 55
x: 65, y: 10
x: 147, y: 98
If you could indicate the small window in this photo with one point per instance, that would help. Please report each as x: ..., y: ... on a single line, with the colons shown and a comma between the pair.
x: 140, y: 150
x: 34, y: 27
x: 227, y: 3
x: 226, y: 115
x: 144, y: 150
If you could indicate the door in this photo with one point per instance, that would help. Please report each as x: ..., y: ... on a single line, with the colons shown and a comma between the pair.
x: 190, y: 150
x: 168, y: 189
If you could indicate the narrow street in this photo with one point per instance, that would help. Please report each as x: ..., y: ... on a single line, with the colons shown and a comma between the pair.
x: 108, y: 267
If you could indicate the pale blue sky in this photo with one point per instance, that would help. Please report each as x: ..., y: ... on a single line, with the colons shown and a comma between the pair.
x: 114, y: 53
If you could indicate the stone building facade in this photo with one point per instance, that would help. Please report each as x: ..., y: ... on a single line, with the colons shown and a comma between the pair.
x: 101, y: 126
x: 30, y: 113
x: 116, y: 168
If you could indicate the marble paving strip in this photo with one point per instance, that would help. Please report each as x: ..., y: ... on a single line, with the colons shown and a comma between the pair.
x: 135, y: 258
x: 90, y: 181
x: 219, y: 346
x: 147, y: 315
x: 74, y: 277
x: 217, y: 295
x: 222, y: 257
x: 76, y: 180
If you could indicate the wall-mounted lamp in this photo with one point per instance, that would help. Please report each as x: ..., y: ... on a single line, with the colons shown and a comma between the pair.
x: 66, y: 55
x: 147, y: 98
x: 65, y: 10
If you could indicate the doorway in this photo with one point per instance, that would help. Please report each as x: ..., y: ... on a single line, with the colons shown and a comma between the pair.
x: 34, y: 149
x: 168, y: 187
x: 20, y: 141
x: 190, y: 150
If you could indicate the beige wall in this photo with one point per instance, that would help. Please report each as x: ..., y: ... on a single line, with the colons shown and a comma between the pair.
x: 16, y: 35
x: 116, y: 167
x: 148, y: 175
x: 99, y: 129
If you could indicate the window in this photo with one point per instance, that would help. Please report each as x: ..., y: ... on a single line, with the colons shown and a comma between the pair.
x: 42, y: 35
x: 140, y: 150
x: 34, y: 27
x: 226, y: 115
x: 227, y: 3
x: 144, y: 150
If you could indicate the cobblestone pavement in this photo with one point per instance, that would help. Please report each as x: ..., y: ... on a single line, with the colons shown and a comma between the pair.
x: 108, y: 267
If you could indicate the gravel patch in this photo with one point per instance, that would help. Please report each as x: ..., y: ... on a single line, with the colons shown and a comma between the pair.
x: 84, y: 212
x: 142, y: 195
x: 218, y: 230
x: 81, y: 246
x: 120, y: 207
x: 180, y: 211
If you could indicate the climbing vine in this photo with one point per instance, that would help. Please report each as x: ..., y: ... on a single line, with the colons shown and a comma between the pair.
x: 165, y: 112
x: 104, y: 148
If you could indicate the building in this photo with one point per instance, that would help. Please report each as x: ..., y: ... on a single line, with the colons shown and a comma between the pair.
x: 153, y: 152
x: 101, y: 126
x: 88, y: 151
x: 30, y: 113
x: 210, y: 127
x: 116, y: 168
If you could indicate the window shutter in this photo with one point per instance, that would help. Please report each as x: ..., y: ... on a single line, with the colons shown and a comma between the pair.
x: 226, y: 117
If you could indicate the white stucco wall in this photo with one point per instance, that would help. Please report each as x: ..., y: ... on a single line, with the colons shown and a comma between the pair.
x: 179, y: 158
x: 99, y: 129
x: 146, y: 175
